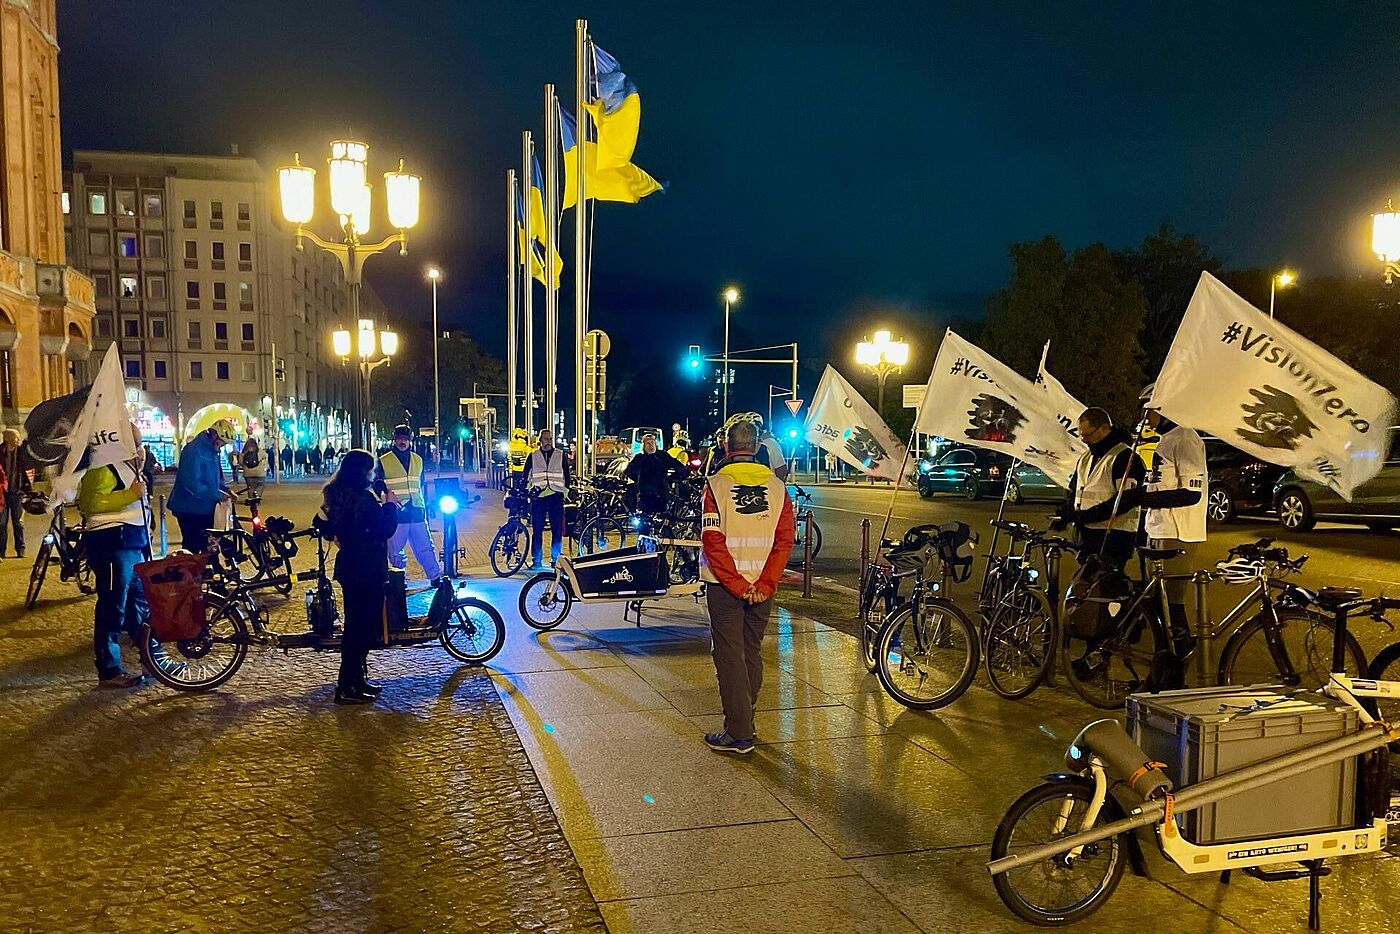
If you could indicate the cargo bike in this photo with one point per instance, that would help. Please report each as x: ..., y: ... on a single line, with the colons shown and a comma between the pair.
x: 630, y: 575
x: 204, y: 625
x: 1219, y: 779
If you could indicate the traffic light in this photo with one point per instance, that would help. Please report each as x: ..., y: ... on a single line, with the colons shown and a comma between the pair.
x: 693, y: 359
x: 463, y: 432
x: 793, y: 433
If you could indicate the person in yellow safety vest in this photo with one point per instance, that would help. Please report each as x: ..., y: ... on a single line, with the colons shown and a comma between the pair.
x: 680, y: 447
x: 519, y: 450
x: 401, y: 470
x: 549, y: 473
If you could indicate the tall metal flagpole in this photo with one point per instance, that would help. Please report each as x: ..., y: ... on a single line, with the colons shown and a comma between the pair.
x: 580, y: 244
x: 527, y: 294
x: 551, y: 235
x: 512, y: 337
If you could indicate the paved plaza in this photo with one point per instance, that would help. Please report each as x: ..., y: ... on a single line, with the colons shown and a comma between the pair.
x: 562, y: 788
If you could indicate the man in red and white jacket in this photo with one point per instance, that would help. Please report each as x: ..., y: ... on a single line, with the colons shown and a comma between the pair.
x: 746, y: 532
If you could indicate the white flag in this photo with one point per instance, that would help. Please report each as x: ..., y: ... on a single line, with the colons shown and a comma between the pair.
x: 1068, y: 407
x: 1237, y: 373
x: 102, y: 433
x: 973, y: 398
x: 839, y: 420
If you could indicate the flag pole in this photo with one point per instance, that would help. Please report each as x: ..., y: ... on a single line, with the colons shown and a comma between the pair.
x: 527, y: 295
x: 551, y: 234
x: 580, y: 242
x: 996, y: 529
x: 512, y: 337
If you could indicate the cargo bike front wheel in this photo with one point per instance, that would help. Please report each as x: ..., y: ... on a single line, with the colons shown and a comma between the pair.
x: 545, y: 601
x: 205, y: 661
x: 473, y: 631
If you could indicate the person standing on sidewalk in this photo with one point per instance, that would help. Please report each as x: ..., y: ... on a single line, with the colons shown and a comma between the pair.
x: 116, y: 538
x: 549, y: 474
x: 747, y: 531
x: 401, y: 469
x: 199, y: 485
x: 12, y: 503
x: 254, y: 468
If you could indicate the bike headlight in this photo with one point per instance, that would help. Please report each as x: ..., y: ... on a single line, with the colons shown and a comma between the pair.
x: 48, y: 539
x: 447, y: 505
x: 636, y: 522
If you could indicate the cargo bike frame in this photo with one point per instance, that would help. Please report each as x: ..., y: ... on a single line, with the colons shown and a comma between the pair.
x: 1111, y: 788
x: 630, y: 576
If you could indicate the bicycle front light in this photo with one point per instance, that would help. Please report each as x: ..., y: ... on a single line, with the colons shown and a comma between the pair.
x: 447, y: 505
x: 636, y: 522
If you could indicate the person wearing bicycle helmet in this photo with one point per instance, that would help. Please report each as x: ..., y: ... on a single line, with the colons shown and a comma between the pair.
x: 1174, y: 501
x: 199, y: 484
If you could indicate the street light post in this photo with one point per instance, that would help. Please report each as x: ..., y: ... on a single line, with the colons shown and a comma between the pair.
x: 882, y: 356
x: 350, y: 195
x: 434, y: 274
x: 1280, y: 280
x: 731, y: 298
x: 1385, y: 240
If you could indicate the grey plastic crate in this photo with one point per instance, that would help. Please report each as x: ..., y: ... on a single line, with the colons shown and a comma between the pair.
x: 1201, y: 733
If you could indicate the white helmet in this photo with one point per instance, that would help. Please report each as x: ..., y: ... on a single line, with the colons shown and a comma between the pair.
x: 1239, y: 570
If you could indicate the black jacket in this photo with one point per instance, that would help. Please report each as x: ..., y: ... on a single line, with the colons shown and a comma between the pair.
x: 652, y: 472
x: 362, y: 532
x: 1126, y: 463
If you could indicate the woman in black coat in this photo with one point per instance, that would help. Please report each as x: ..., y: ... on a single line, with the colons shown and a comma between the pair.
x: 360, y: 523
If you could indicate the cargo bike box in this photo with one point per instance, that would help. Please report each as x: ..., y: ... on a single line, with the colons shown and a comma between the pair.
x: 630, y: 572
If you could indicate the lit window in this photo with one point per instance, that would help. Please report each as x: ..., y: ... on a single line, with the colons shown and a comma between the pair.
x: 67, y: 203
x: 130, y: 287
x: 221, y: 370
x: 126, y: 246
x: 154, y: 205
x: 126, y: 203
x: 97, y: 202
x: 245, y: 292
x: 196, y: 369
x: 133, y: 369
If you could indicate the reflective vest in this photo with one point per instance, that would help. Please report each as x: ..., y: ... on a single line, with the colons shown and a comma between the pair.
x: 1093, y: 485
x: 519, y: 451
x: 133, y: 513
x: 547, y: 474
x: 406, y: 485
x: 744, y: 504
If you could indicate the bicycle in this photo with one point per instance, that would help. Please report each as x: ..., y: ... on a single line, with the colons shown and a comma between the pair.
x: 261, y: 553
x: 806, y: 525
x: 511, y: 543
x: 927, y: 651
x: 1021, y: 614
x: 61, y: 545
x: 677, y: 537
x: 603, y: 520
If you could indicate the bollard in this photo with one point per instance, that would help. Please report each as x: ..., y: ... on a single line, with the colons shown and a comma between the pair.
x: 807, y: 557
x: 864, y: 551
x: 164, y: 542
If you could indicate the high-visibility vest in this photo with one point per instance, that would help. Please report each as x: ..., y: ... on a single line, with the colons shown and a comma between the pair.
x: 519, y: 451
x: 133, y: 513
x: 744, y: 504
x: 407, y: 485
x: 547, y: 473
x: 1093, y: 485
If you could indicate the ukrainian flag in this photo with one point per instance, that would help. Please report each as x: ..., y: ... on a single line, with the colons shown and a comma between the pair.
x: 536, y: 247
x: 624, y: 183
x: 616, y: 112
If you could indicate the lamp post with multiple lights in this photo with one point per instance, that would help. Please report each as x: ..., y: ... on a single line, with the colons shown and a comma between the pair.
x: 350, y: 195
x: 731, y: 298
x: 882, y: 356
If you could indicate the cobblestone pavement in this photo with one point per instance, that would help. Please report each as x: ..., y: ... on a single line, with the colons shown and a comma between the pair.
x: 263, y: 806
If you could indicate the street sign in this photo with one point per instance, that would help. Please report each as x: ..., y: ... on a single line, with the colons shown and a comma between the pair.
x: 471, y: 408
x: 793, y: 405
x: 595, y: 384
x: 914, y: 395
x: 427, y: 431
x: 596, y: 344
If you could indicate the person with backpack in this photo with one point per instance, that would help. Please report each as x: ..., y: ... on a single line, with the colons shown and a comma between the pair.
x: 254, y: 468
x: 314, y: 457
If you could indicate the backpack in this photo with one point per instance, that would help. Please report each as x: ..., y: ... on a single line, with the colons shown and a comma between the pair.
x: 250, y: 457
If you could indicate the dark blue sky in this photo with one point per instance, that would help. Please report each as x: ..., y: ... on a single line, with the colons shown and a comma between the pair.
x: 836, y: 159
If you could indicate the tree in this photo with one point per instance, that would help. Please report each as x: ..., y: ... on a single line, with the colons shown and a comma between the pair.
x: 1166, y: 267
x: 1090, y: 313
x: 402, y: 391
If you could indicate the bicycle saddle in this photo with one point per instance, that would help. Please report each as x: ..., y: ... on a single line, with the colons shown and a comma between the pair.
x: 1329, y: 598
x: 1161, y: 554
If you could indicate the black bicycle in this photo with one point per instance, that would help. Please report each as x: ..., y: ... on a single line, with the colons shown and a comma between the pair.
x: 806, y: 528
x: 511, y: 544
x: 61, y: 545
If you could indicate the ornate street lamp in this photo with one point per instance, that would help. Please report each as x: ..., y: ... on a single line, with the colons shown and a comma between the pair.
x: 882, y: 356
x: 1385, y: 240
x: 372, y: 348
x: 351, y: 200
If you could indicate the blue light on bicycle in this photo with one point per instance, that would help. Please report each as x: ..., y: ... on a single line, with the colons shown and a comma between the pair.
x: 636, y: 522
x: 447, y: 505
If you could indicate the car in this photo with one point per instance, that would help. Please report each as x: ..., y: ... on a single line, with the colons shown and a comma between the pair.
x: 1375, y: 503
x: 975, y: 473
x: 1239, y: 483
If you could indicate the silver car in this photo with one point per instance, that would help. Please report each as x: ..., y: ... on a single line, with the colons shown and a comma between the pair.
x: 1375, y: 504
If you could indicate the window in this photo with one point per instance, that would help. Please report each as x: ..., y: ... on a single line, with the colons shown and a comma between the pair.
x: 245, y: 296
x: 131, y: 327
x: 248, y: 371
x: 220, y: 291
x: 155, y: 287
x: 220, y: 330
x: 189, y: 214
x: 216, y: 253
x: 99, y: 244
x: 102, y: 285
x: 244, y: 215
x: 154, y: 204
x: 221, y: 370
x: 195, y: 333
x: 216, y: 215
x: 245, y: 256
x: 67, y: 203
x: 158, y: 328
x: 130, y: 287
x: 155, y: 246
x: 247, y: 333
x: 133, y: 369
x: 158, y: 368
x: 192, y: 291
x: 191, y: 254
x: 126, y: 246
x: 126, y: 203
x: 104, y: 326
x: 97, y: 202
x: 196, y: 369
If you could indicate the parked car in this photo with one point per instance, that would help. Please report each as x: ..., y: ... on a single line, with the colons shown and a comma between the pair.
x: 975, y: 472
x: 1239, y: 483
x: 1375, y: 504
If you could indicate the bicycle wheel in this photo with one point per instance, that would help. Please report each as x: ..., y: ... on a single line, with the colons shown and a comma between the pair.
x: 473, y: 631
x: 1385, y: 667
x: 816, y: 531
x: 1020, y: 644
x: 508, y: 548
x: 602, y: 533
x: 926, y: 655
x: 1305, y: 637
x: 872, y: 612
x: 1062, y: 889
x: 1135, y: 656
x: 206, y: 661
x: 38, y: 572
x: 543, y: 603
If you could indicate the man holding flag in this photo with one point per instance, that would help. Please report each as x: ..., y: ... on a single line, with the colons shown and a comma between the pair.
x: 1104, y: 490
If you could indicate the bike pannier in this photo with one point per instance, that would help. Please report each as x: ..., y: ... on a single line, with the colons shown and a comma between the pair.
x: 174, y: 592
x: 1096, y: 597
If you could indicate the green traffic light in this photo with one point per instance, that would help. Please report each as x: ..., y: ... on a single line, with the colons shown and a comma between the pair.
x: 694, y: 363
x: 463, y: 431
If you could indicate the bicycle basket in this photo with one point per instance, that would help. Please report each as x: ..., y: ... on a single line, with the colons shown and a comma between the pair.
x: 1096, y: 599
x: 174, y: 592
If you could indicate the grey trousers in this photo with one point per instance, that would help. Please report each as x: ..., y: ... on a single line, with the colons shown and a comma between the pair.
x: 417, y: 536
x: 736, y: 641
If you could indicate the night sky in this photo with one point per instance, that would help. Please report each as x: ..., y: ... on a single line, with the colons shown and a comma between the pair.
x: 847, y: 164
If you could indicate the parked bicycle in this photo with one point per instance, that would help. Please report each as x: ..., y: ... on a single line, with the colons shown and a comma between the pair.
x: 806, y: 527
x: 511, y: 544
x: 1020, y: 606
x: 61, y: 545
x: 256, y: 549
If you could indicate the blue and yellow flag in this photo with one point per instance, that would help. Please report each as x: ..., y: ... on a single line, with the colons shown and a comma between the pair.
x: 616, y: 111
x: 536, y: 228
x: 625, y: 183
